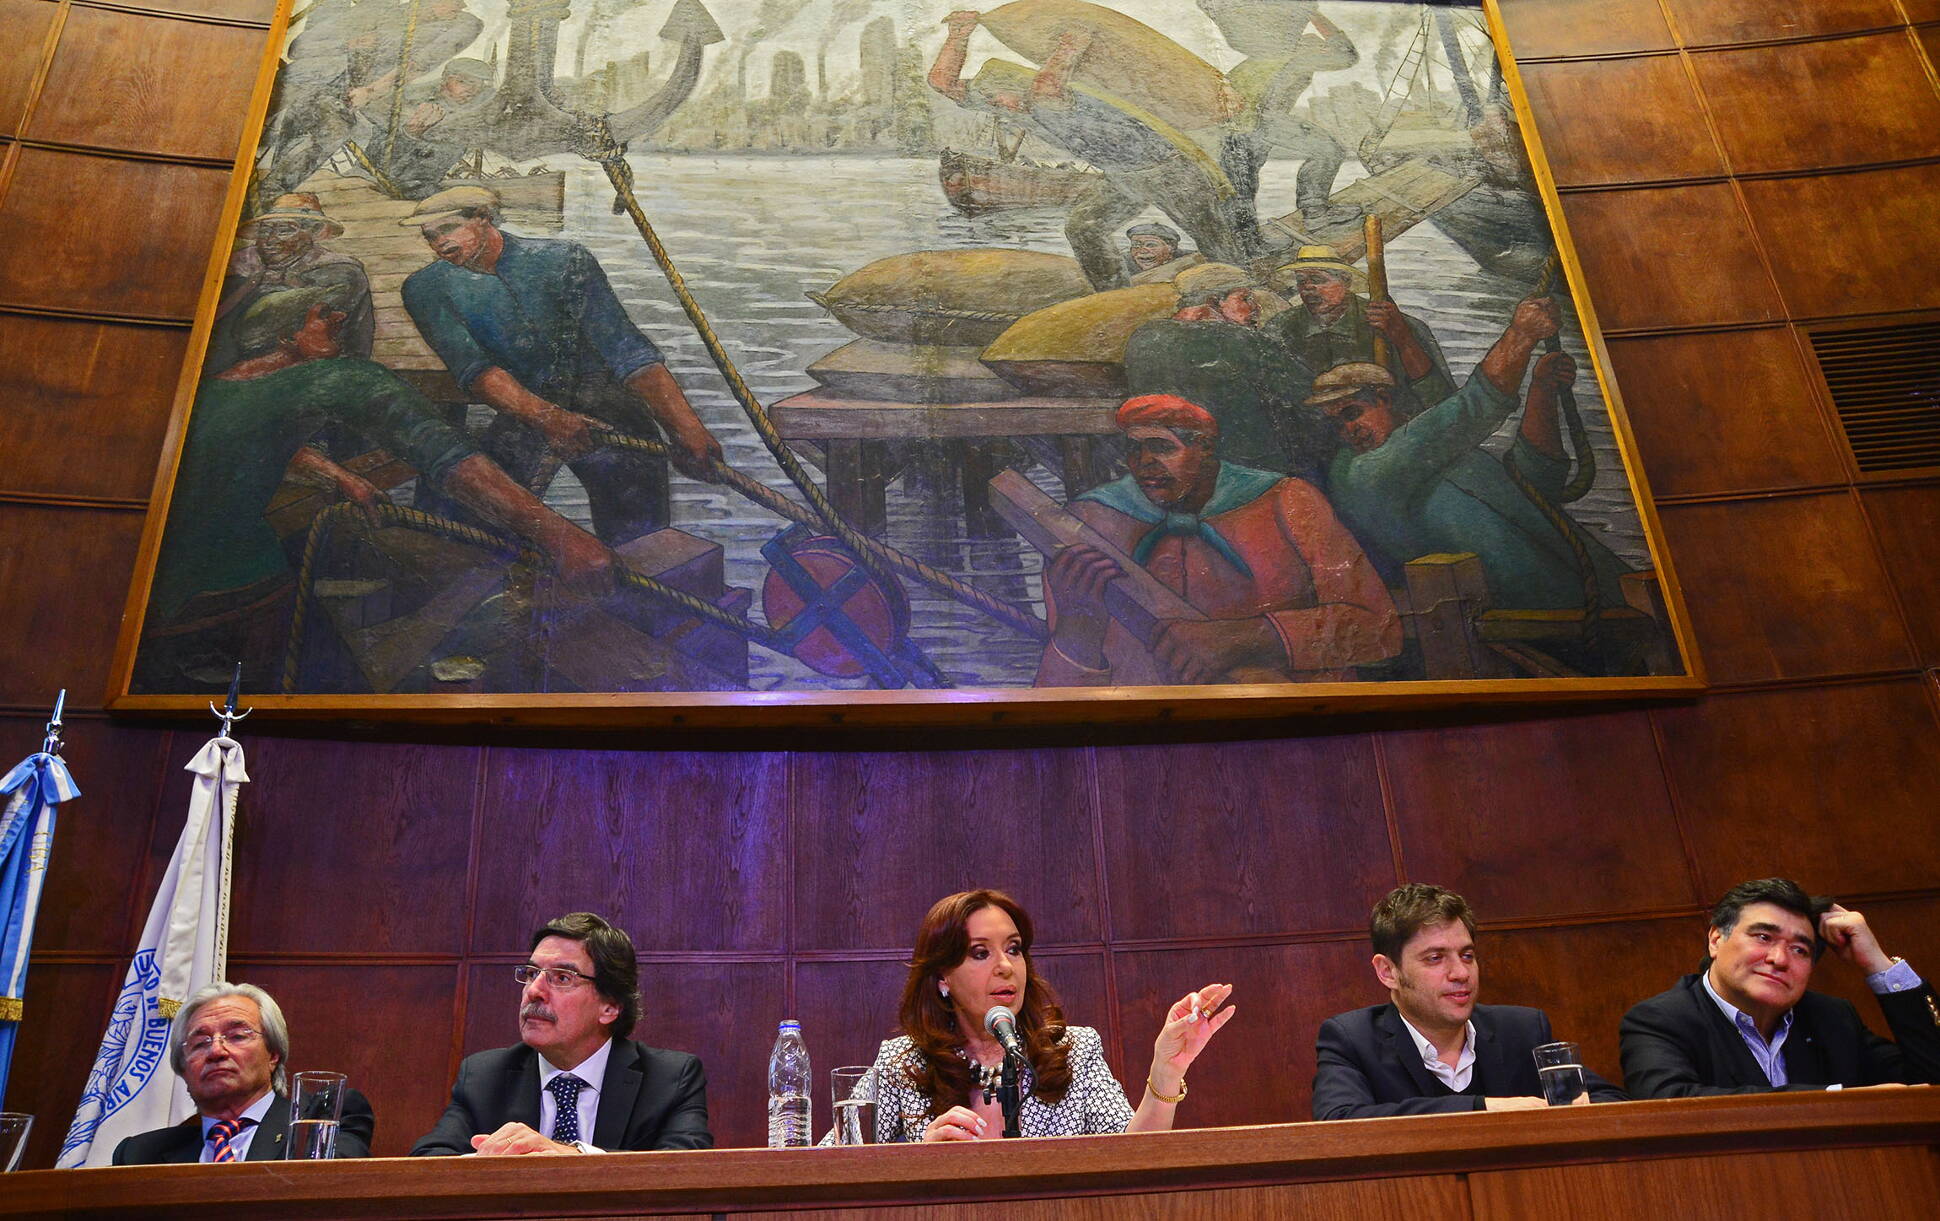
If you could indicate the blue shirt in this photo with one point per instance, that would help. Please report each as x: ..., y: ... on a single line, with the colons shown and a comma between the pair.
x: 545, y: 314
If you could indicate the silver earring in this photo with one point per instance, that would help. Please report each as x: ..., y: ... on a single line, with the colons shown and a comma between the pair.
x: 945, y: 990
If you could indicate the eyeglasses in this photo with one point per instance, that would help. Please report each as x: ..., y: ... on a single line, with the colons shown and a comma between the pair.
x: 239, y: 1039
x: 563, y: 978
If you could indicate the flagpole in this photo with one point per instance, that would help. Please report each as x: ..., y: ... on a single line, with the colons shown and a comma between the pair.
x: 29, y: 796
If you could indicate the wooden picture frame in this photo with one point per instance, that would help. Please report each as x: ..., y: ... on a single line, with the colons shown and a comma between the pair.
x: 383, y: 631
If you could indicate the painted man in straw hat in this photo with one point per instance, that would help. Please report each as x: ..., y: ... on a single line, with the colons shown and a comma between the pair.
x: 1334, y: 322
x: 1421, y: 484
x: 1213, y: 352
x: 286, y: 251
x: 530, y: 327
x: 1287, y: 593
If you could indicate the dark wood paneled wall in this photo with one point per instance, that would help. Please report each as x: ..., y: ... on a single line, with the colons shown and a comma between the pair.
x: 1729, y: 168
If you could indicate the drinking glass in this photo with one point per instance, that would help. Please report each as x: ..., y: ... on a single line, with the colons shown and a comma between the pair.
x: 853, y: 1091
x: 316, y: 1105
x: 14, y: 1127
x: 1560, y: 1068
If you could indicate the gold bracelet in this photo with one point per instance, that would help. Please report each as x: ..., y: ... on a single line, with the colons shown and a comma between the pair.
x: 1162, y: 1097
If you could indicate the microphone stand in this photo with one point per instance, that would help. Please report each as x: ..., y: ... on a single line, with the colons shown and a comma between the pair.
x: 1007, y: 1095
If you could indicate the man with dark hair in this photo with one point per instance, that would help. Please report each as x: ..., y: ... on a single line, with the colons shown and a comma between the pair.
x: 1744, y: 1023
x: 229, y: 1045
x: 1431, y: 1049
x: 575, y: 1083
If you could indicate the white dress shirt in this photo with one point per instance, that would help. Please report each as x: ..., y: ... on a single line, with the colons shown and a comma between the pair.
x: 1455, y: 1077
x: 240, y: 1142
x: 591, y: 1070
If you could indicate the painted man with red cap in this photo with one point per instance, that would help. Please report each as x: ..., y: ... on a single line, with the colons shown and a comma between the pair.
x: 1287, y: 593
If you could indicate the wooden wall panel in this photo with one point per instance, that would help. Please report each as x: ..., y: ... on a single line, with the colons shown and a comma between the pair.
x: 1673, y: 256
x: 1260, y: 1069
x: 1882, y: 258
x: 1907, y: 523
x: 1834, y: 786
x: 723, y: 1012
x: 1820, y: 124
x: 1929, y: 37
x: 1787, y: 1185
x: 1728, y: 411
x: 385, y: 1027
x: 1631, y: 120
x: 1587, y: 976
x: 111, y: 84
x: 1712, y: 22
x: 1418, y: 1196
x: 1478, y: 809
x: 1584, y: 27
x: 883, y: 836
x: 1922, y: 10
x: 618, y: 833
x: 87, y: 404
x: 66, y: 572
x: 92, y: 902
x: 66, y: 1009
x: 23, y: 29
x: 395, y: 817
x: 1785, y: 588
x: 120, y: 238
x: 1243, y: 839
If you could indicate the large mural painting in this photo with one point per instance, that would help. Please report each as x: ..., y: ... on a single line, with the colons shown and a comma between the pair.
x: 764, y: 348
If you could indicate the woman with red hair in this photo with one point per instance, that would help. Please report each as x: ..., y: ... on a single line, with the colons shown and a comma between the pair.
x: 937, y: 1080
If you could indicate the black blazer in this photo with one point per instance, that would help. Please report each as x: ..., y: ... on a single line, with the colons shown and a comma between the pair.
x: 649, y: 1099
x: 183, y: 1142
x: 1368, y: 1066
x: 1678, y: 1044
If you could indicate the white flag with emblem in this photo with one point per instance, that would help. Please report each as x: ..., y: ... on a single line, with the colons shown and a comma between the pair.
x: 183, y: 947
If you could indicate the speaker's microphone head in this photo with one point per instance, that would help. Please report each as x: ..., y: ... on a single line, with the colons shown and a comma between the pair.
x: 996, y: 1014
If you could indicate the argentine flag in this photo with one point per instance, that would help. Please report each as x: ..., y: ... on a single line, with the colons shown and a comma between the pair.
x: 183, y: 947
x: 28, y: 796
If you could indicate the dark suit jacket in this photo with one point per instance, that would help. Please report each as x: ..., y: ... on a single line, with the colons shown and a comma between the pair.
x: 183, y: 1142
x: 1368, y: 1066
x: 1678, y: 1044
x: 649, y: 1099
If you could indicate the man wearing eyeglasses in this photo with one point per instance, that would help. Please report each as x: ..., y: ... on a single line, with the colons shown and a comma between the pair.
x: 229, y: 1044
x: 575, y: 1083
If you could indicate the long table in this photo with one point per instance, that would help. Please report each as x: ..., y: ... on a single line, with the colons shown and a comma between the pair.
x: 1867, y: 1154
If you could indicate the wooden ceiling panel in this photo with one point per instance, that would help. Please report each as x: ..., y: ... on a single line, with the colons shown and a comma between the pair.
x: 99, y: 235
x: 1669, y: 256
x: 149, y: 84
x: 1624, y: 120
x: 1820, y: 124
x: 1860, y: 243
x: 1789, y: 587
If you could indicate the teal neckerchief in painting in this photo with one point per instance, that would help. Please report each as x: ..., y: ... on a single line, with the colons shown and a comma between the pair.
x: 1235, y: 486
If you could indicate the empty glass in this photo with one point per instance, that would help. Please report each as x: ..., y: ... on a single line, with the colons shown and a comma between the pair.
x: 14, y: 1128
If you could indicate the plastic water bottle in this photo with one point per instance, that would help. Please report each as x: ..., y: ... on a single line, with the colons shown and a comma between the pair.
x: 789, y: 1082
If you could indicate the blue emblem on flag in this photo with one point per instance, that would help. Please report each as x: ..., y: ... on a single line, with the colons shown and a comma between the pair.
x: 134, y: 1047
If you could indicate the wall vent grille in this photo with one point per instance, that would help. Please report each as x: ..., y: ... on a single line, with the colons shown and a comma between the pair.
x: 1885, y: 384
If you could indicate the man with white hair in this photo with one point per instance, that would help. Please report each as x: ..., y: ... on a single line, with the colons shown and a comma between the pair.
x: 229, y: 1044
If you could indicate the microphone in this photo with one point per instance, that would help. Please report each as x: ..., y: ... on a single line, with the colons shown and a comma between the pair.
x: 1002, y: 1024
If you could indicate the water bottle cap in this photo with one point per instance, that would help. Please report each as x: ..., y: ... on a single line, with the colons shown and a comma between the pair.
x: 791, y: 1024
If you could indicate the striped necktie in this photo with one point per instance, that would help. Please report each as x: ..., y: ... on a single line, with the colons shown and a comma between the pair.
x: 565, y: 1091
x: 221, y: 1133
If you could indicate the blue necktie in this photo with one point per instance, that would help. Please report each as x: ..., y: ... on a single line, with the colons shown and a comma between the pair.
x: 565, y: 1091
x: 221, y: 1133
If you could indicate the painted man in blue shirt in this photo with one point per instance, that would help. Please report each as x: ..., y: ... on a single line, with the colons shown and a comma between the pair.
x: 531, y: 327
